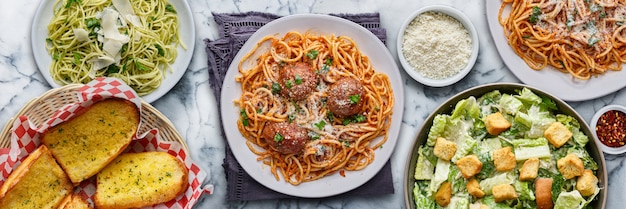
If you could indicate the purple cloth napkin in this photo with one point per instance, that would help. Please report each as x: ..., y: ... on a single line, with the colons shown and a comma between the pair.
x: 234, y: 30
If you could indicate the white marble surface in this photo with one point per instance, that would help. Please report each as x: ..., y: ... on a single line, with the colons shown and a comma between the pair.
x: 190, y: 105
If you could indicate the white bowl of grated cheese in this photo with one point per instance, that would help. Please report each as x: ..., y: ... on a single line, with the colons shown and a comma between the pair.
x: 437, y: 45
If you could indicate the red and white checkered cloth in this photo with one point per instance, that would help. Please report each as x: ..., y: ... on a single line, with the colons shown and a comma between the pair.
x: 25, y: 139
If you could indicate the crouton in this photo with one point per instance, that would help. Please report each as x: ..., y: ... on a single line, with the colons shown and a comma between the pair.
x: 469, y: 165
x: 444, y: 149
x: 570, y: 166
x: 543, y: 193
x: 496, y: 123
x: 587, y: 183
x: 503, y: 192
x: 504, y: 159
x: 444, y: 193
x: 529, y: 169
x: 557, y: 134
x: 474, y: 188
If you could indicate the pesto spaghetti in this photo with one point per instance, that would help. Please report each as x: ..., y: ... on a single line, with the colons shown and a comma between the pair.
x: 135, y: 41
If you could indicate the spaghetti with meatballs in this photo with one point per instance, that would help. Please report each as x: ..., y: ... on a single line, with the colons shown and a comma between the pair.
x: 312, y: 105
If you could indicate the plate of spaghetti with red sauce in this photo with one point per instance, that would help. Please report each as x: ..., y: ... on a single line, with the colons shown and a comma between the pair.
x: 312, y: 105
x: 573, y: 49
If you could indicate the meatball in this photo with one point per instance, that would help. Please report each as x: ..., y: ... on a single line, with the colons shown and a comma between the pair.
x: 297, y: 81
x: 346, y: 97
x: 287, y: 138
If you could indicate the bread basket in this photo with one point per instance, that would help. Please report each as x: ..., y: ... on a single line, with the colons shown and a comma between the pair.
x: 40, y: 109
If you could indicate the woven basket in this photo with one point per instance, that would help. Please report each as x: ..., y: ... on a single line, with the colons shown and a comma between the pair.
x: 40, y: 109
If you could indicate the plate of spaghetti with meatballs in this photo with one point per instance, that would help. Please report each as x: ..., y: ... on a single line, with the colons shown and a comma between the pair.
x: 312, y: 105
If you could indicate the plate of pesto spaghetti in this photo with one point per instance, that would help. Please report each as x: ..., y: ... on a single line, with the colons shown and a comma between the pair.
x: 146, y: 43
x: 312, y: 105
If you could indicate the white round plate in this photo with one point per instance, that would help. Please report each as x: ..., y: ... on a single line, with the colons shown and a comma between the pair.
x: 187, y: 34
x: 380, y: 59
x: 563, y: 85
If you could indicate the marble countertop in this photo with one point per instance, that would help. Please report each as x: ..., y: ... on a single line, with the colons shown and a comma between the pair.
x: 191, y: 106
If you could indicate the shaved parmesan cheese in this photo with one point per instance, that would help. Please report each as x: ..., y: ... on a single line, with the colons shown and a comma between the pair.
x: 99, y: 63
x: 109, y: 26
x: 126, y: 9
x: 81, y: 35
x: 112, y: 47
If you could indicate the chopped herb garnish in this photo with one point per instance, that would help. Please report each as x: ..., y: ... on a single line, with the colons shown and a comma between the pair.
x: 92, y: 22
x: 534, y: 16
x: 76, y: 58
x: 326, y: 66
x: 259, y: 111
x: 291, y: 117
x: 288, y: 84
x: 312, y: 54
x: 298, y: 80
x: 355, y: 98
x: 140, y: 66
x: 69, y: 3
x: 593, y: 40
x: 313, y: 135
x: 278, y: 137
x: 170, y: 8
x: 320, y: 125
x: 346, y: 143
x: 112, y: 69
x: 276, y: 88
x: 359, y: 118
x: 602, y: 14
x: 160, y: 50
x: 330, y: 116
x: 244, y: 117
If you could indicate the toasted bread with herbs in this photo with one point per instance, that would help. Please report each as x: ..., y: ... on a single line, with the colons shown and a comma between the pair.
x: 38, y: 182
x: 86, y: 143
x: 135, y: 180
x: 75, y: 201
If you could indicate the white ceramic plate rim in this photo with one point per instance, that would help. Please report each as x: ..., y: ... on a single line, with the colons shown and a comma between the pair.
x: 39, y: 33
x: 560, y: 84
x: 470, y: 63
x: 594, y: 122
x: 334, y: 184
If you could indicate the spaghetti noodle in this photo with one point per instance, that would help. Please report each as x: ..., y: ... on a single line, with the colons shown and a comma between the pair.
x: 583, y: 38
x: 149, y: 48
x: 335, y: 143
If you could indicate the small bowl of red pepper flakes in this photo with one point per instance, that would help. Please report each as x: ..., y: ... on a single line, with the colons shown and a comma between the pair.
x: 609, y: 124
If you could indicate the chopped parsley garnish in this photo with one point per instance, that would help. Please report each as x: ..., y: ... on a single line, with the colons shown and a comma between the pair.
x: 320, y: 125
x: 354, y: 119
x: 355, y: 98
x: 593, y: 40
x: 244, y: 117
x: 326, y: 66
x: 140, y: 66
x: 330, y: 116
x: 313, y: 135
x: 312, y: 54
x: 259, y: 111
x: 298, y: 80
x: 92, y: 22
x: 534, y: 16
x: 160, y: 50
x: 112, y: 69
x: 278, y: 137
x: 76, y: 58
x: 69, y: 3
x: 346, y: 143
x: 288, y: 84
x: 602, y: 14
x: 291, y: 117
x: 276, y: 88
x: 170, y: 8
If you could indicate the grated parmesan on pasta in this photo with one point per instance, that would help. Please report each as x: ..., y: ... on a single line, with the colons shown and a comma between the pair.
x: 436, y: 45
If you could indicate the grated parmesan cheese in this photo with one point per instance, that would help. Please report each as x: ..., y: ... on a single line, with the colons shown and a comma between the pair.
x: 436, y: 45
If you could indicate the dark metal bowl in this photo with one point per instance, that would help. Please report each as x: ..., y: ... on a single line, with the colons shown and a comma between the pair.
x: 448, y: 106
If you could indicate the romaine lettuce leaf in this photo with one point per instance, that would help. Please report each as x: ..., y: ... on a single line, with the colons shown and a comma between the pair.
x: 569, y: 200
x: 510, y: 105
x: 582, y: 153
x: 424, y: 169
x: 467, y: 108
x: 437, y: 129
x: 442, y: 169
x: 464, y: 145
x: 459, y: 202
x: 528, y: 97
x: 491, y: 202
x: 421, y: 200
x: 531, y: 148
x: 502, y: 178
x: 541, y: 120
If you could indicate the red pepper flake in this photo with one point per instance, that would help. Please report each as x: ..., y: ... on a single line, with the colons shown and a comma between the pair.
x: 342, y: 173
x: 611, y: 128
